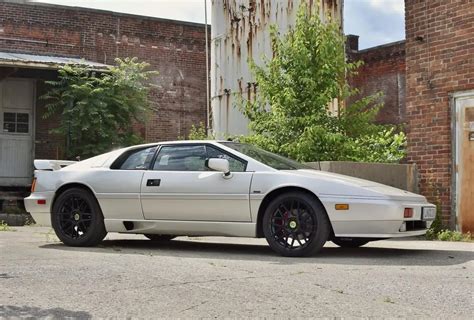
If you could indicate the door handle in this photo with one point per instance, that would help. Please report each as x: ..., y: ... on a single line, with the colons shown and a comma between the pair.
x: 153, y: 182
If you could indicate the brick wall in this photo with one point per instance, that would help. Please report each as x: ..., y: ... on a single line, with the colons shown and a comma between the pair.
x: 440, y: 61
x: 383, y: 71
x: 175, y: 49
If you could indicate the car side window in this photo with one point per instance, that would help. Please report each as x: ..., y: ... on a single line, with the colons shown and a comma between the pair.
x: 135, y: 159
x: 181, y: 158
x: 235, y: 165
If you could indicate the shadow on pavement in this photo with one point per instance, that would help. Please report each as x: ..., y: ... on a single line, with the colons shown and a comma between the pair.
x: 230, y: 251
x: 24, y: 312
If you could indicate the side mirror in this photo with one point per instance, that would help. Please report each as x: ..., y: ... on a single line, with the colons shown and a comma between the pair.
x: 218, y: 164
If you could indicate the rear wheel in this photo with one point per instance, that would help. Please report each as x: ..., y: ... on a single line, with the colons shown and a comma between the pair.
x: 296, y: 224
x: 350, y: 242
x: 77, y: 219
x: 160, y: 237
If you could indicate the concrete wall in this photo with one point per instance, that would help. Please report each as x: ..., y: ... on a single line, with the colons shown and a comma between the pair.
x: 402, y: 176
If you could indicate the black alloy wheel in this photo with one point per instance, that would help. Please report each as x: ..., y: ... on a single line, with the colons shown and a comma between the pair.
x: 296, y: 224
x: 160, y: 237
x: 350, y: 242
x: 77, y: 219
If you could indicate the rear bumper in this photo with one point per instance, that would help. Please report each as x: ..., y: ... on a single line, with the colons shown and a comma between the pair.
x: 39, y: 211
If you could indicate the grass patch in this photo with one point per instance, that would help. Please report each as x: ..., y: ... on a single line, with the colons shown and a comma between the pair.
x: 448, y: 235
x: 438, y: 232
x: 5, y: 227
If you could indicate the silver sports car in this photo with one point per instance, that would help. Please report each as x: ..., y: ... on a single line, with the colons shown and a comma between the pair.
x: 218, y: 188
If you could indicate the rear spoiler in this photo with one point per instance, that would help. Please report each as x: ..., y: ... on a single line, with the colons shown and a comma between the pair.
x: 51, y: 165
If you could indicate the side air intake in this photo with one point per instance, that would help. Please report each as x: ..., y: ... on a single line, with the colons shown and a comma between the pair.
x: 128, y: 225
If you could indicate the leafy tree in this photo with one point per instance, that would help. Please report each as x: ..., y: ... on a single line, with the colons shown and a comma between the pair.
x: 97, y: 109
x: 306, y: 74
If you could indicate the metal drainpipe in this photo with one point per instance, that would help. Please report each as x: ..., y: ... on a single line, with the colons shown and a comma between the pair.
x: 68, y: 137
x: 208, y: 113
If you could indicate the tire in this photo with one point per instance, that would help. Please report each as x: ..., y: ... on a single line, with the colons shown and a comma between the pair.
x: 350, y: 242
x: 77, y: 219
x: 160, y: 237
x: 295, y: 224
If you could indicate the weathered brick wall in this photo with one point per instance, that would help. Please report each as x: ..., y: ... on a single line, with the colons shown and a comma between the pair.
x: 440, y: 61
x: 175, y: 49
x: 383, y: 71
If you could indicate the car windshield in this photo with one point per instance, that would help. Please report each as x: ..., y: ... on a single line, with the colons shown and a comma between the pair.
x: 268, y: 158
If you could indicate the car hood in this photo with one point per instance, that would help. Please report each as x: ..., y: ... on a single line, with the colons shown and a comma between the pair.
x: 357, y: 187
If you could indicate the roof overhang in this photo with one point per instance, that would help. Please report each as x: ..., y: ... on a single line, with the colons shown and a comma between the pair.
x: 21, y: 60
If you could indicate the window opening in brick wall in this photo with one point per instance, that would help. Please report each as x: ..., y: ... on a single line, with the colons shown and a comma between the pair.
x: 15, y: 122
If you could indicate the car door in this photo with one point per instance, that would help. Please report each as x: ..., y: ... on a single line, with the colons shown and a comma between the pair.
x: 178, y: 186
x: 118, y: 189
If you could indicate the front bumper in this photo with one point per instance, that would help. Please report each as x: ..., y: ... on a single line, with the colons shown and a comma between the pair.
x: 39, y: 211
x: 376, y: 218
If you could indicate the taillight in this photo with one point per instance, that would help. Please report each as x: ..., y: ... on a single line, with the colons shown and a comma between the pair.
x: 33, y: 185
x: 408, y: 213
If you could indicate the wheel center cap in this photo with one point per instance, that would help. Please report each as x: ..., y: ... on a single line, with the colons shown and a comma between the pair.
x: 292, y: 224
x: 77, y: 217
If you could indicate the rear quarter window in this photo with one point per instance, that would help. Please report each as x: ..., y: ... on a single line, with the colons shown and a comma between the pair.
x: 136, y: 159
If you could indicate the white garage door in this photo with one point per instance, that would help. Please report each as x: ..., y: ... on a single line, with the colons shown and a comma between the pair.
x: 17, y: 97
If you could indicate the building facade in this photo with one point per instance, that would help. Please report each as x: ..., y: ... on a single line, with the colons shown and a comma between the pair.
x: 241, y: 33
x: 35, y: 39
x: 428, y: 86
x: 440, y: 103
x: 384, y: 71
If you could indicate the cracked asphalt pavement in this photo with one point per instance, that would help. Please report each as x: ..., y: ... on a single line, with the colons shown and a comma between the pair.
x: 129, y: 276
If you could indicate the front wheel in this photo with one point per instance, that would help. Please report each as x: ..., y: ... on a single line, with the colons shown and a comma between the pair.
x: 295, y: 224
x: 77, y: 219
x: 350, y: 242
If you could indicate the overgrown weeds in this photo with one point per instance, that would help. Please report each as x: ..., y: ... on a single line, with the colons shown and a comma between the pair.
x: 448, y: 235
x: 5, y: 227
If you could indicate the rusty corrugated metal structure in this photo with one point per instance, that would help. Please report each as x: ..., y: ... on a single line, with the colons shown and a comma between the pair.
x: 240, y: 33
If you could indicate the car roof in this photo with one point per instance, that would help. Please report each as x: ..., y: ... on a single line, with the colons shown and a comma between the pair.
x: 191, y: 141
x: 151, y: 144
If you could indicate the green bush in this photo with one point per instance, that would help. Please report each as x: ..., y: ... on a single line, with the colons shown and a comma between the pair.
x: 199, y: 133
x: 97, y: 109
x: 306, y: 74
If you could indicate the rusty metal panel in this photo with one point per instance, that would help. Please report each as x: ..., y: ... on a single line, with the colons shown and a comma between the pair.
x: 240, y: 33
